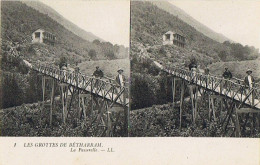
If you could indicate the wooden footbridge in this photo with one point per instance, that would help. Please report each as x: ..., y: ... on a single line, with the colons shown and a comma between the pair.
x: 240, y: 103
x: 101, y: 102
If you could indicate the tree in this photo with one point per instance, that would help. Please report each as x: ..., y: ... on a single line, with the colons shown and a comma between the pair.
x: 110, y: 55
x: 223, y: 55
x: 96, y: 41
x: 12, y: 93
x: 92, y: 54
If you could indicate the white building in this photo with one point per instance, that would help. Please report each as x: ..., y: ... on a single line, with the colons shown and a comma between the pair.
x: 42, y: 36
x: 173, y: 38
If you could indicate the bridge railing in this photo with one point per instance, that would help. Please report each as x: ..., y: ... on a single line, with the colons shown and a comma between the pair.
x: 104, y: 87
x: 234, y: 88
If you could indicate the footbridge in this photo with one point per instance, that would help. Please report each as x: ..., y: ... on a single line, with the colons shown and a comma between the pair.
x: 100, y: 101
x: 232, y: 99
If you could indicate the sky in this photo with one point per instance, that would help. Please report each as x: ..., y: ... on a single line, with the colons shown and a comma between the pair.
x: 108, y: 20
x: 237, y: 20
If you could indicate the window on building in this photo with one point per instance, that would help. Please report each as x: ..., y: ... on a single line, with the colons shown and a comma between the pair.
x: 37, y: 35
x: 168, y: 36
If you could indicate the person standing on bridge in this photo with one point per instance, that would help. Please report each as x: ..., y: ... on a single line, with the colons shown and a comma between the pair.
x: 120, y: 78
x: 193, y: 69
x: 227, y: 75
x: 249, y: 83
x: 120, y: 81
x: 98, y: 74
x: 206, y: 72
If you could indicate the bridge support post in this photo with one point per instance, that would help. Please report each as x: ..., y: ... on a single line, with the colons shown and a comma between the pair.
x: 43, y: 87
x: 194, y: 101
x: 83, y: 108
x: 212, y: 110
x: 52, y: 99
x: 64, y: 100
x: 181, y: 101
x: 48, y: 89
x: 174, y: 79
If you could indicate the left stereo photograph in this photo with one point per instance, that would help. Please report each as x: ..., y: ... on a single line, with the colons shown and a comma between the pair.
x: 65, y: 68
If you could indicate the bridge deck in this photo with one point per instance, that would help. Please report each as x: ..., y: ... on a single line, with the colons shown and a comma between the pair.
x: 105, y: 88
x: 228, y: 88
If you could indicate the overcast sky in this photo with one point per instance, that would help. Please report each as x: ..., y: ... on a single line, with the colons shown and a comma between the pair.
x: 237, y: 20
x: 108, y: 20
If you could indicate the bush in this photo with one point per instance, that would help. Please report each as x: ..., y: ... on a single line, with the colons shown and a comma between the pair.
x: 92, y: 54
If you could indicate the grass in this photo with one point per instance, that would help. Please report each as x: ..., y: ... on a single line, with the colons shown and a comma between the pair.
x: 238, y: 68
x: 109, y: 67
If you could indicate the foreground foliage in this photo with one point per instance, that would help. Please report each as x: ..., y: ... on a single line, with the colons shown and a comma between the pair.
x: 163, y: 120
x: 33, y: 120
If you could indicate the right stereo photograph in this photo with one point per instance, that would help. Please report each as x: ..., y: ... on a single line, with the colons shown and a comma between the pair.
x: 195, y: 69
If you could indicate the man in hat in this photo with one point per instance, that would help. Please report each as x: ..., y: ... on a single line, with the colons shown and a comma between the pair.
x: 98, y: 73
x: 120, y: 78
x: 120, y: 81
x: 249, y: 79
x: 249, y: 82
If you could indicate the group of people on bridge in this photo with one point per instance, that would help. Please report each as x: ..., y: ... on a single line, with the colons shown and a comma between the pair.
x: 227, y: 75
x: 119, y: 79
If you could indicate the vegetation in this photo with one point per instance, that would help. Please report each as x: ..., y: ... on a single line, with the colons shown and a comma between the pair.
x: 18, y: 22
x: 164, y: 122
x: 68, y: 44
x: 149, y: 23
x: 33, y: 120
x: 92, y: 54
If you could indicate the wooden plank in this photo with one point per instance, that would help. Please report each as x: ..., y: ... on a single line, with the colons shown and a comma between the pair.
x: 247, y: 110
x: 215, y: 96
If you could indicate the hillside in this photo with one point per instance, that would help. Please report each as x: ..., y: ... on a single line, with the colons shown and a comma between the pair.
x: 39, y: 6
x: 18, y: 21
x: 174, y: 10
x: 109, y: 67
x: 238, y: 68
x: 149, y: 23
x: 67, y: 43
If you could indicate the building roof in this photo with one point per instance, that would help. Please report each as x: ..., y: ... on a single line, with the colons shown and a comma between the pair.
x: 39, y: 30
x: 174, y: 32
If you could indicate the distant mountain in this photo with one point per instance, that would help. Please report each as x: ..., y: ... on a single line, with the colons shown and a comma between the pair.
x: 174, y: 10
x: 39, y: 6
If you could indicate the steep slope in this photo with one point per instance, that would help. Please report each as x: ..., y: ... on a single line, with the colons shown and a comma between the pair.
x: 149, y: 23
x: 238, y: 68
x: 172, y: 9
x: 18, y: 21
x: 39, y: 6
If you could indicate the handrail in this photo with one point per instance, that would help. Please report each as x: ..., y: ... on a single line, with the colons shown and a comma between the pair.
x: 237, y: 89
